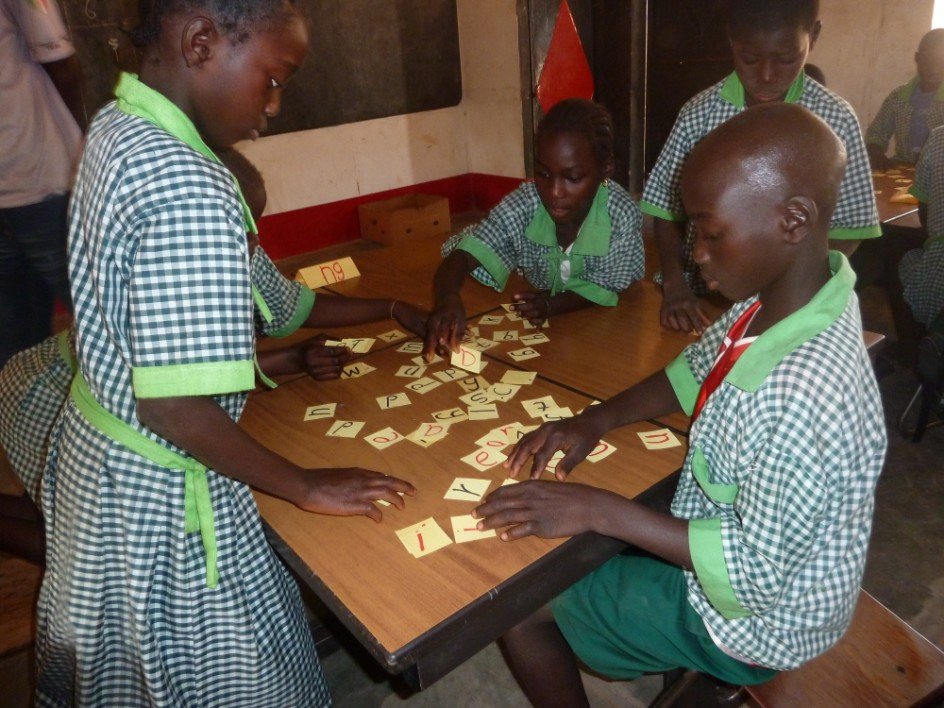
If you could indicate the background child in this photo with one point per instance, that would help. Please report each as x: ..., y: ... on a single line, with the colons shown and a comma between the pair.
x: 572, y: 232
x: 912, y: 110
x: 758, y: 566
x: 921, y: 271
x: 770, y: 41
x: 135, y: 608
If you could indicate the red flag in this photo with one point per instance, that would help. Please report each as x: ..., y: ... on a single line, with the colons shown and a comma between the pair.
x: 566, y: 72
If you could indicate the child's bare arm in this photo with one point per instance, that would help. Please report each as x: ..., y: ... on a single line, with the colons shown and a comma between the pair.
x: 199, y: 426
x: 446, y: 324
x: 680, y: 308
x: 555, y: 510
x: 576, y: 437
x: 332, y: 311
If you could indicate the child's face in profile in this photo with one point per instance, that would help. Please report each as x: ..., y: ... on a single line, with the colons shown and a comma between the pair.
x: 735, y: 230
x: 567, y: 175
x: 767, y: 63
x: 240, y: 87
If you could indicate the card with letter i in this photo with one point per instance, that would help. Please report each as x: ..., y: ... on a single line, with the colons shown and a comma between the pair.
x: 423, y: 537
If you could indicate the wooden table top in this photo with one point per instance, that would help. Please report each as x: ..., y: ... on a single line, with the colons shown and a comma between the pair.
x: 887, y: 184
x: 365, y: 574
x: 424, y: 616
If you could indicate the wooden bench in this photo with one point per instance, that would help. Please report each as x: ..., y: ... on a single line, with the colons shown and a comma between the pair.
x: 881, y: 661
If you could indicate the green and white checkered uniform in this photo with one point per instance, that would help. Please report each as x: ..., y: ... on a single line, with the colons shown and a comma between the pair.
x: 921, y: 271
x: 287, y: 302
x: 894, y: 120
x: 780, y: 476
x: 855, y: 217
x: 519, y: 235
x: 34, y: 384
x: 160, y: 277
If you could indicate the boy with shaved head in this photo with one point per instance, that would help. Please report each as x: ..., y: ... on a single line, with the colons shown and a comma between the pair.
x: 757, y: 568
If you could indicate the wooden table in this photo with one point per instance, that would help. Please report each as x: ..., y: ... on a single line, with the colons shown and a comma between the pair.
x: 887, y: 183
x: 422, y: 617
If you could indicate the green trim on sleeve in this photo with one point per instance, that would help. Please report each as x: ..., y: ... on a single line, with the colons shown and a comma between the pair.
x: 487, y: 258
x: 306, y: 301
x: 842, y: 233
x: 592, y: 292
x: 207, y: 379
x: 660, y: 213
x: 683, y: 382
x: 707, y: 551
x: 918, y: 193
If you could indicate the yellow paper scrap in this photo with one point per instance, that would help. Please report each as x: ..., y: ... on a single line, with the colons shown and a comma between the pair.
x: 345, y: 429
x: 328, y: 273
x: 325, y: 410
x: 464, y: 529
x: 423, y: 537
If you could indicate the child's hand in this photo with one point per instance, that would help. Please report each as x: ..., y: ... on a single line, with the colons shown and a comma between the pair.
x: 323, y: 362
x: 411, y: 317
x: 445, y: 328
x: 576, y: 436
x: 540, y: 508
x: 535, y: 307
x: 352, y: 491
x: 681, y: 310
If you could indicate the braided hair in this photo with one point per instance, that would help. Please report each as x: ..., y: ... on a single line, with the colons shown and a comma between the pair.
x: 578, y: 115
x: 236, y: 19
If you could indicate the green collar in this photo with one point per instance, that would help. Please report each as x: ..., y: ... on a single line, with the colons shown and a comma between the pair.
x: 905, y: 93
x: 593, y: 239
x: 733, y: 90
x: 138, y: 99
x: 772, y: 346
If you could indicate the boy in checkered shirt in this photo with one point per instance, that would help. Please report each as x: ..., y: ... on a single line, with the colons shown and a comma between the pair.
x: 757, y: 568
x: 770, y: 41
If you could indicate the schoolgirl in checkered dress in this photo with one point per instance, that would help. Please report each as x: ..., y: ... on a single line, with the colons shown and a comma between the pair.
x: 160, y: 587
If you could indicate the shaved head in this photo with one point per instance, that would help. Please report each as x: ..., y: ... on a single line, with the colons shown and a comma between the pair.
x: 777, y: 149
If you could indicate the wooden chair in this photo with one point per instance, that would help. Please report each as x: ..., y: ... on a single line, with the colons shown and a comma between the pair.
x: 880, y: 662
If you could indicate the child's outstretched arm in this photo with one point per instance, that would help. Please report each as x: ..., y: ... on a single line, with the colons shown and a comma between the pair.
x: 446, y: 324
x: 342, y: 311
x: 553, y: 510
x: 576, y: 437
x: 199, y: 426
x: 680, y: 308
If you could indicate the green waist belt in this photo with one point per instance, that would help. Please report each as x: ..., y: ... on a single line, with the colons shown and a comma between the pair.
x: 198, y: 510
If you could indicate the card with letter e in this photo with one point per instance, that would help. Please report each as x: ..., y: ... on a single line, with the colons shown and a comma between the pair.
x: 423, y: 537
x: 485, y: 458
x: 463, y: 529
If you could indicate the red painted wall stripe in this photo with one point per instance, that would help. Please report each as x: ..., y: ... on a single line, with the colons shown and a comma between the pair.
x: 293, y: 232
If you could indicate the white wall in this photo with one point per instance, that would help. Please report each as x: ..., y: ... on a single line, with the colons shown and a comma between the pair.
x: 482, y: 134
x: 867, y: 48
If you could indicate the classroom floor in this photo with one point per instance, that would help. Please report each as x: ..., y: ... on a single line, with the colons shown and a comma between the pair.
x: 905, y: 571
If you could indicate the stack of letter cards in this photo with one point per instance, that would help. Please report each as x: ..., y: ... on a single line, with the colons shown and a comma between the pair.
x: 476, y: 399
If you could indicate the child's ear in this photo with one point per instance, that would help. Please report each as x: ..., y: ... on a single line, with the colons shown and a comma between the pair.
x: 609, y: 167
x: 800, y: 215
x: 814, y: 33
x: 197, y: 39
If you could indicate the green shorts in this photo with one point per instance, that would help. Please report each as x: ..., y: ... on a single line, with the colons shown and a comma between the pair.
x: 631, y: 616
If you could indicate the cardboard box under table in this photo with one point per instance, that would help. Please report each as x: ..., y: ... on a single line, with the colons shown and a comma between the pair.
x: 390, y: 221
